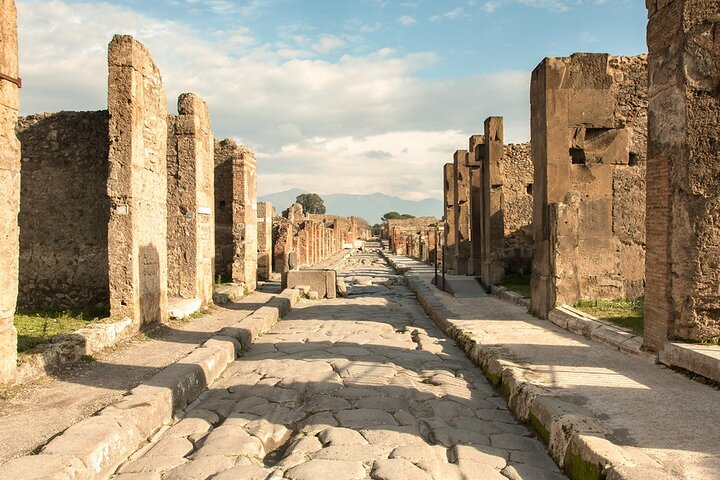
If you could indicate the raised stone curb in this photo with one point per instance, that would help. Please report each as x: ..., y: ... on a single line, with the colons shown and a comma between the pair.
x: 69, y: 348
x: 575, y: 439
x: 509, y: 296
x: 96, y: 446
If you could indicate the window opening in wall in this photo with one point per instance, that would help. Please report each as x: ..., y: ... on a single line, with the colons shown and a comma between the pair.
x: 633, y: 159
x: 529, y: 188
x: 577, y: 156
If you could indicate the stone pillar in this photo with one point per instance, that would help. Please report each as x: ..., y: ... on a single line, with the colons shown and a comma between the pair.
x: 191, y: 222
x: 589, y: 130
x: 137, y: 184
x: 236, y: 213
x: 9, y: 189
x: 449, y: 255
x: 493, y: 225
x: 265, y: 249
x: 462, y: 212
x: 475, y: 155
x: 683, y: 181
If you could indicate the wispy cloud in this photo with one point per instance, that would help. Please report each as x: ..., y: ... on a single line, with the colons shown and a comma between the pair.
x: 449, y: 15
x: 407, y: 20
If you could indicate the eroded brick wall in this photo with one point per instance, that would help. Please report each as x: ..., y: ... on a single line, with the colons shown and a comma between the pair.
x: 475, y: 156
x: 589, y: 130
x: 461, y: 217
x: 64, y: 211
x: 236, y: 213
x: 517, y: 206
x: 683, y: 181
x: 9, y: 189
x: 191, y: 221
x: 137, y: 183
x: 493, y: 229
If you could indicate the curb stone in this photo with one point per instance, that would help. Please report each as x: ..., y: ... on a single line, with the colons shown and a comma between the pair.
x: 96, y: 446
x: 576, y: 440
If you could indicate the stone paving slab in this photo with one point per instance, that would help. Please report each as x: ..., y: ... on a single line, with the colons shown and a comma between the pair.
x: 599, y: 408
x: 349, y: 388
x: 94, y: 447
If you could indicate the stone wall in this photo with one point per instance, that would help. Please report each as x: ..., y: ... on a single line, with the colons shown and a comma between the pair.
x: 190, y: 217
x: 493, y: 230
x: 265, y: 214
x: 683, y: 181
x: 517, y: 208
x: 449, y: 252
x: 413, y: 237
x: 9, y: 189
x: 64, y: 211
x: 236, y: 213
x: 589, y: 130
x: 137, y: 183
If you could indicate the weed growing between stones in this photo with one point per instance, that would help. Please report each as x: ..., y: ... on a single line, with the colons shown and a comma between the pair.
x: 35, y: 328
x: 625, y: 313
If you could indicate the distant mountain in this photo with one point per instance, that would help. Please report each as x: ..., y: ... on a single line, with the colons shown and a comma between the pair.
x: 370, y: 207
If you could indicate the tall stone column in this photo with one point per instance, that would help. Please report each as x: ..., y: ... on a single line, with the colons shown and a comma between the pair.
x: 476, y: 153
x: 9, y: 188
x: 265, y: 249
x: 236, y: 213
x: 449, y: 255
x: 137, y: 183
x: 493, y: 226
x: 462, y: 212
x: 682, y: 273
x: 191, y: 219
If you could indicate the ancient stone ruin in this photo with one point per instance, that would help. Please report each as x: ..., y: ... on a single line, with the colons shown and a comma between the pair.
x: 589, y: 130
x: 236, y: 213
x: 682, y: 271
x: 413, y: 237
x: 9, y: 187
x: 265, y: 214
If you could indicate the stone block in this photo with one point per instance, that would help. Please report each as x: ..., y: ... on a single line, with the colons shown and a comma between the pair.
x: 321, y: 281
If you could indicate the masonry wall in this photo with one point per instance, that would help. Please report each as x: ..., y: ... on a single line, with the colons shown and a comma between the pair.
x: 9, y: 189
x: 589, y: 130
x: 475, y: 156
x: 64, y: 211
x: 449, y: 248
x: 236, y: 213
x: 462, y: 212
x: 190, y: 217
x: 683, y: 182
x: 517, y: 207
x: 265, y: 213
x: 137, y: 183
x: 492, y: 209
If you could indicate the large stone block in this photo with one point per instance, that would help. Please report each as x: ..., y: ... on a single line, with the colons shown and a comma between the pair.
x: 321, y: 281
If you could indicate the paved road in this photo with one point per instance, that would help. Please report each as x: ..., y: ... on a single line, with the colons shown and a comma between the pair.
x: 352, y: 388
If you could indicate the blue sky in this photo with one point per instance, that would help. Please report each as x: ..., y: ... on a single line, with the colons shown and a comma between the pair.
x: 353, y: 96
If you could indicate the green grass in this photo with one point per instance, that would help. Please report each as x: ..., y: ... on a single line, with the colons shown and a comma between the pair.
x: 517, y: 283
x: 39, y: 327
x: 625, y: 313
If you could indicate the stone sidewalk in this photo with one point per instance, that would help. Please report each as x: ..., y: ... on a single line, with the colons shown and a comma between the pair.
x: 54, y: 403
x: 350, y: 388
x: 624, y: 414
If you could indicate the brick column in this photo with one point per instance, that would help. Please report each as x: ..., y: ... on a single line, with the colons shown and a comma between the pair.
x: 493, y: 225
x: 476, y: 153
x: 449, y: 254
x: 462, y: 212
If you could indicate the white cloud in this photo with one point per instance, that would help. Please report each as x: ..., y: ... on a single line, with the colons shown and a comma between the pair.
x: 453, y: 14
x: 553, y: 5
x: 328, y: 43
x: 312, y: 122
x: 407, y: 20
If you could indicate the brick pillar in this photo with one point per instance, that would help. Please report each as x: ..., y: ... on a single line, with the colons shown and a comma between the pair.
x: 683, y: 176
x: 476, y: 153
x: 462, y: 212
x: 191, y: 222
x: 493, y: 226
x: 9, y: 190
x: 236, y: 217
x: 449, y: 255
x: 137, y: 184
x: 265, y: 249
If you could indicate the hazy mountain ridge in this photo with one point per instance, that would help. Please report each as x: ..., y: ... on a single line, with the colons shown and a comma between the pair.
x: 371, y: 207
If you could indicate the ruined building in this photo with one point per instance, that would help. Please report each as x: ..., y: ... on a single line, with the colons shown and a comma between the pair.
x: 413, y: 237
x: 589, y: 130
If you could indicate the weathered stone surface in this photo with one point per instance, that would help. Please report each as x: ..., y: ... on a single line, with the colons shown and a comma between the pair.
x: 137, y: 184
x: 341, y: 436
x: 64, y: 261
x: 461, y: 204
x: 450, y: 222
x: 191, y: 219
x: 397, y: 469
x: 321, y: 281
x: 314, y: 469
x: 9, y: 190
x: 236, y: 218
x: 683, y: 203
x: 589, y: 131
x: 265, y: 214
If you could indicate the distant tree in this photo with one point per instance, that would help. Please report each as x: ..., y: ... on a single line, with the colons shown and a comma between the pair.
x: 396, y: 216
x: 311, y: 203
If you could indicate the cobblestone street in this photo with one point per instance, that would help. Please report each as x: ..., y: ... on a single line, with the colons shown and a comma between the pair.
x: 351, y: 388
